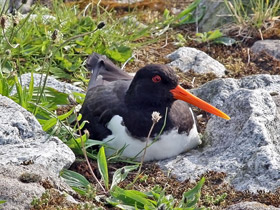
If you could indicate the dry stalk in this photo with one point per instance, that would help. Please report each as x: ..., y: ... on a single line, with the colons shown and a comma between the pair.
x: 249, y: 57
x: 86, y: 157
x: 155, y: 118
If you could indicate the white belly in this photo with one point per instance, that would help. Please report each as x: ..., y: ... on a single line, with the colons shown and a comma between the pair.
x: 170, y: 144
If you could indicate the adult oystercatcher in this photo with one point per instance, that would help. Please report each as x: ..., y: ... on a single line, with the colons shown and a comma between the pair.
x: 118, y: 108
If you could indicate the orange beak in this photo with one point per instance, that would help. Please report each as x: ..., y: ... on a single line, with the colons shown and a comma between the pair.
x: 181, y: 94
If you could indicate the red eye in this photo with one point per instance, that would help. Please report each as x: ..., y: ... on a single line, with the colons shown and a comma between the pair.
x: 156, y: 79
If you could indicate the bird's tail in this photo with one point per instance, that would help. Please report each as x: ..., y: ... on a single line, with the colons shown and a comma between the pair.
x: 103, y: 70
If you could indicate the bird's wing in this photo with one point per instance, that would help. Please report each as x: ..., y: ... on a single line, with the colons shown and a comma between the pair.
x: 101, y: 104
x: 182, y: 116
x: 103, y: 71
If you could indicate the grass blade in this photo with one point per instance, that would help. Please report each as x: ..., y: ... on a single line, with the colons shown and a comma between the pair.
x: 102, y: 166
x: 31, y: 87
x: 20, y: 93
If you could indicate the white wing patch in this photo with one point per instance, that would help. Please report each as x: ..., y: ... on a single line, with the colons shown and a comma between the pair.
x: 170, y: 144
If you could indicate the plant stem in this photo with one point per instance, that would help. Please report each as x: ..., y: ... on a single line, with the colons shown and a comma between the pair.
x: 156, y: 138
x: 90, y: 168
x: 146, y: 146
x: 3, y: 9
x: 88, y: 163
x: 7, y: 40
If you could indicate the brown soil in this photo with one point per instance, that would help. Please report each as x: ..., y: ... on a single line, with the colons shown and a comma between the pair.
x: 214, y: 186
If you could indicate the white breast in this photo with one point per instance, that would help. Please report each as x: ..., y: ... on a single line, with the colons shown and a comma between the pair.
x: 170, y: 144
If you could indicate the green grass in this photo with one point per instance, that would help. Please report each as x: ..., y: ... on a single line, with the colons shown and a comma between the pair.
x: 38, y: 50
x: 254, y: 15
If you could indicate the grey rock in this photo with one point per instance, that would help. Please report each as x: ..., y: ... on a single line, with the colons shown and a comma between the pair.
x: 187, y: 58
x: 247, y: 147
x: 22, y: 139
x: 17, y: 4
x: 18, y: 188
x: 251, y: 206
x: 17, y: 125
x: 62, y: 87
x: 26, y: 148
x: 271, y: 47
x: 216, y: 14
x: 25, y: 8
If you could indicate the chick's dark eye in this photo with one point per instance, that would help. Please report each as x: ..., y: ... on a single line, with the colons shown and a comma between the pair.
x: 156, y: 79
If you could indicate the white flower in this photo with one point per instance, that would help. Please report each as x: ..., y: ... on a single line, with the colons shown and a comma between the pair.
x: 156, y: 117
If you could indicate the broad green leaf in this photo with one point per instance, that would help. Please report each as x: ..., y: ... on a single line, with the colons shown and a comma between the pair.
x: 132, y: 198
x: 6, y: 85
x: 225, y: 41
x: 77, y: 143
x: 188, y: 10
x: 79, y: 97
x: 82, y: 125
x: 166, y: 14
x: 75, y: 180
x: 215, y: 35
x: 49, y: 123
x: 121, y: 174
x: 79, y: 117
x: 120, y: 54
x: 2, y: 202
x: 52, y: 122
x: 91, y: 143
x: 193, y: 18
x: 115, y: 202
x: 191, y: 197
x: 67, y: 114
x: 54, y: 96
x: 102, y: 166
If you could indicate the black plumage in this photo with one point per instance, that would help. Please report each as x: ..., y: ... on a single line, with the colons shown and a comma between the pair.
x: 113, y: 92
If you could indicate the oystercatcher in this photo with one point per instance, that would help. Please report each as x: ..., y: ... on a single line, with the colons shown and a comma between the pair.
x: 118, y: 108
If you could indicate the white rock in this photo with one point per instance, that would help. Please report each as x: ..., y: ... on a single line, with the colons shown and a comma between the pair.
x: 251, y: 206
x: 187, y: 58
x: 19, y: 194
x: 62, y: 87
x: 246, y: 147
x: 22, y: 141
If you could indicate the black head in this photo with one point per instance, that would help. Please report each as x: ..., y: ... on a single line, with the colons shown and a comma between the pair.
x: 151, y: 87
